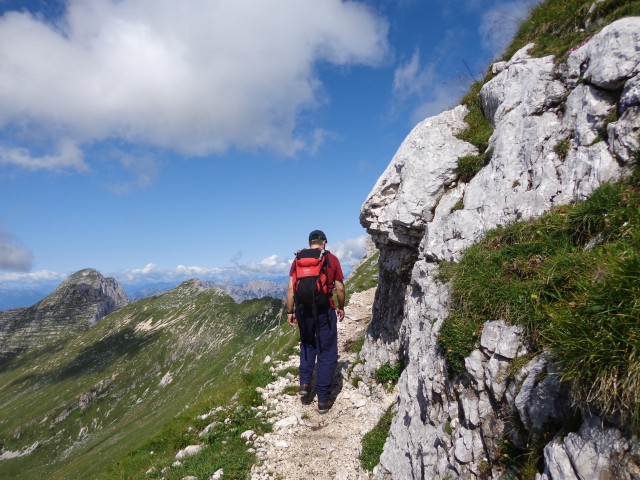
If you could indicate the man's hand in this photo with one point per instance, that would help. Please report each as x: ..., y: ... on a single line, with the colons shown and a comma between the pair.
x: 291, y: 317
x: 340, y: 294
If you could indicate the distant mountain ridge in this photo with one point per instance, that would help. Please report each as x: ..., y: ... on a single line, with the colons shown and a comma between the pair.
x: 77, y: 304
x: 258, y: 288
x: 254, y: 289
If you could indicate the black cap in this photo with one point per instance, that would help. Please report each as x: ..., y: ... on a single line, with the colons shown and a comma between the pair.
x: 317, y: 235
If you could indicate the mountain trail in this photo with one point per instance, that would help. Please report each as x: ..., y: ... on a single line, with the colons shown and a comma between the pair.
x: 306, y: 444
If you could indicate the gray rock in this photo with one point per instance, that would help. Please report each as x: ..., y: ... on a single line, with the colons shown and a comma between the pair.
x: 586, y: 108
x: 189, y: 451
x: 522, y: 401
x: 217, y: 475
x: 610, y: 57
x: 594, y: 452
x: 400, y: 203
x: 526, y: 84
x: 624, y: 134
x: 497, y: 376
x: 501, y: 338
x: 475, y: 365
x: 557, y: 463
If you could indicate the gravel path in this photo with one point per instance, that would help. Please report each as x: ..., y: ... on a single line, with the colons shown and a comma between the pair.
x: 305, y: 444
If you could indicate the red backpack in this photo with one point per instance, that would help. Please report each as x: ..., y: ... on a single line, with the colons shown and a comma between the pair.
x: 310, y: 280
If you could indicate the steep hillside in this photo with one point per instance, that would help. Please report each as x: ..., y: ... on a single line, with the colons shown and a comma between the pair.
x: 480, y: 396
x: 72, y: 409
x: 76, y: 305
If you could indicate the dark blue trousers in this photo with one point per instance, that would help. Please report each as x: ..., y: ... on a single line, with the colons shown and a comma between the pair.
x: 323, y: 351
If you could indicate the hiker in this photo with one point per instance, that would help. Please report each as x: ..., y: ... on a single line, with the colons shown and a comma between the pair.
x: 314, y: 274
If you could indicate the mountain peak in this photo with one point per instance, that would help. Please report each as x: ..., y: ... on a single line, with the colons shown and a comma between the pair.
x: 77, y: 304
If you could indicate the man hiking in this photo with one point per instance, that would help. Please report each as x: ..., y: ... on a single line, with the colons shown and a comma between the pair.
x: 314, y: 275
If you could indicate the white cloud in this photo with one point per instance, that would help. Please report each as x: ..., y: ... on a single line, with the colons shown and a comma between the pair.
x: 271, y: 265
x: 13, y: 256
x: 194, y: 76
x: 349, y: 251
x: 69, y: 156
x: 412, y: 79
x: 144, y: 170
x: 28, y: 278
x: 152, y: 273
x: 420, y: 88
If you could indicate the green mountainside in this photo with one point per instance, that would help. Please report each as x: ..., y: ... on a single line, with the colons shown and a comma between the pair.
x: 82, y: 403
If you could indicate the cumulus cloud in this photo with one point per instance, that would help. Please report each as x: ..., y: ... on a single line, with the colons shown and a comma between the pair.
x: 349, y: 251
x: 14, y: 256
x: 31, y: 278
x: 68, y: 156
x: 40, y: 279
x: 271, y: 265
x: 152, y: 273
x: 194, y: 76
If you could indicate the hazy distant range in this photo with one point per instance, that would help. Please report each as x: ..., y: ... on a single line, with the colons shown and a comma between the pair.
x: 26, y: 296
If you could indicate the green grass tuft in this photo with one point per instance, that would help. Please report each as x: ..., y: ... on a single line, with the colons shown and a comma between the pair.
x: 469, y: 166
x: 562, y: 148
x: 389, y: 374
x: 572, y: 279
x: 557, y: 26
x: 478, y: 128
x: 290, y: 390
x: 356, y: 345
x: 373, y: 442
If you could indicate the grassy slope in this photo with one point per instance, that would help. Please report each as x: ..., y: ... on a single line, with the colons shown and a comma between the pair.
x: 206, y: 343
x: 364, y: 277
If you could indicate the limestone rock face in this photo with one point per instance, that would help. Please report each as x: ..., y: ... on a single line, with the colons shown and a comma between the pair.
x: 78, y: 303
x: 401, y: 203
x: 547, y: 149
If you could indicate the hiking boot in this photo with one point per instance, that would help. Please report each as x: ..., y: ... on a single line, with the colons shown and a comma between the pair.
x: 324, y: 407
x: 304, y: 389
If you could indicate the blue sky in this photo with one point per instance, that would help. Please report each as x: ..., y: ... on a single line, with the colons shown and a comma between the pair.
x: 161, y: 140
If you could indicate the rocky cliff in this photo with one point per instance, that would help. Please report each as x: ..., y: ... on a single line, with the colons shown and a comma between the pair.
x: 554, y: 142
x: 77, y: 304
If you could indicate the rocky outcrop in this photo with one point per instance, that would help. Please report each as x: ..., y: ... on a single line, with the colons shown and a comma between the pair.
x: 554, y: 142
x: 77, y: 304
